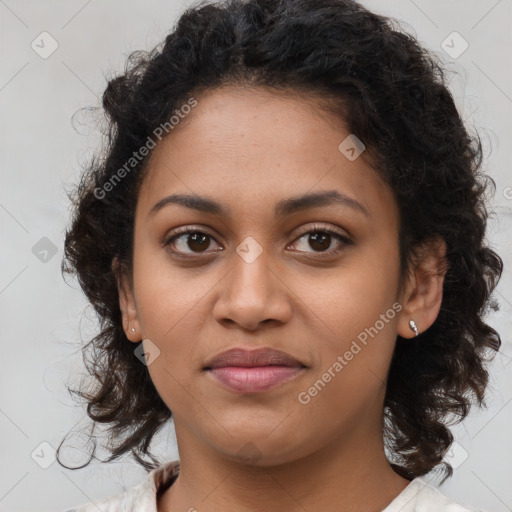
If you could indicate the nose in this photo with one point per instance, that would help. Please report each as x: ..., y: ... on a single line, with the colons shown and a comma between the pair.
x: 252, y: 294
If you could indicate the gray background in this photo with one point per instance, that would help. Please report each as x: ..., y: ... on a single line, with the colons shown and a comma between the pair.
x: 43, y: 319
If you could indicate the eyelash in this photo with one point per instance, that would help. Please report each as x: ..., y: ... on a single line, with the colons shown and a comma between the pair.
x: 345, y: 241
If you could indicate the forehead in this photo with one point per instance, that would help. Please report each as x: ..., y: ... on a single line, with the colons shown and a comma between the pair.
x: 252, y: 147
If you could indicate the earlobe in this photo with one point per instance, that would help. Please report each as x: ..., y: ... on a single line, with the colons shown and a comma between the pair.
x: 127, y: 303
x: 423, y: 294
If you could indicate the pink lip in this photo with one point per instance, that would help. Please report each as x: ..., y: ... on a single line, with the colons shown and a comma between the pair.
x: 243, y: 357
x: 255, y: 379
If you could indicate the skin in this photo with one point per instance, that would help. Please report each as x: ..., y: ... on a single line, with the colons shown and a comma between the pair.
x: 247, y: 149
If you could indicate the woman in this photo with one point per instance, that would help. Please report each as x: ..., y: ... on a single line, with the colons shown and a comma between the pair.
x: 284, y: 241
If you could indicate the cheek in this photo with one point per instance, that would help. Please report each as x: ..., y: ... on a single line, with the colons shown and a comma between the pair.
x: 347, y: 299
x: 354, y: 348
x: 170, y: 305
x: 355, y: 314
x: 168, y: 296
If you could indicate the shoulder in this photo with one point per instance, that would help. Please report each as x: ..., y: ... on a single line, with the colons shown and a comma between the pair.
x: 140, y: 498
x: 420, y: 496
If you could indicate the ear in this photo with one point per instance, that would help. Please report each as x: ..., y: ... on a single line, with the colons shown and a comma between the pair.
x: 127, y: 302
x: 423, y: 292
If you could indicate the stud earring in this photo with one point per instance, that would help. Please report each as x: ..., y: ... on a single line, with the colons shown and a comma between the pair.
x: 413, y: 326
x: 133, y: 329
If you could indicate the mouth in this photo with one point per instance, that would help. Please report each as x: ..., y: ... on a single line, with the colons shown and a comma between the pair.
x: 245, y: 358
x: 253, y: 371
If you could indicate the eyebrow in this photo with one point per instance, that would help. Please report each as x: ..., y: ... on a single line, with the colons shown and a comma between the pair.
x: 282, y: 208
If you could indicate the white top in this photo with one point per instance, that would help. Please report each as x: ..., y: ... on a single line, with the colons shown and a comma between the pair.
x: 418, y: 496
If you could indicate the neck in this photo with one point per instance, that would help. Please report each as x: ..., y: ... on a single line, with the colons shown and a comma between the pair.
x: 348, y: 474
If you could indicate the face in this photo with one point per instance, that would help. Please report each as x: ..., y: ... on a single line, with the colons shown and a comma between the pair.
x: 317, y: 280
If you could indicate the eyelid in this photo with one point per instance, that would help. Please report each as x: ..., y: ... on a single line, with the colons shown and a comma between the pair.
x: 320, y: 227
x: 184, y: 230
x: 345, y: 239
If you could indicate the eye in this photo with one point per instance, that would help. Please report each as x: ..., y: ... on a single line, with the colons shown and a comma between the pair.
x: 320, y: 238
x: 192, y: 239
x: 190, y: 242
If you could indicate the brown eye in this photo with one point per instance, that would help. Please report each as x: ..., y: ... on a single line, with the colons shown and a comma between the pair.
x: 198, y: 241
x: 189, y: 242
x: 321, y: 239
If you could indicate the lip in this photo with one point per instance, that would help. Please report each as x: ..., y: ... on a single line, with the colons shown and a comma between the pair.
x: 241, y: 357
x: 253, y: 371
x: 256, y: 379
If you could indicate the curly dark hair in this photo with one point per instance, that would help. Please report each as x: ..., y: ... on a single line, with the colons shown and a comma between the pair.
x: 393, y: 94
